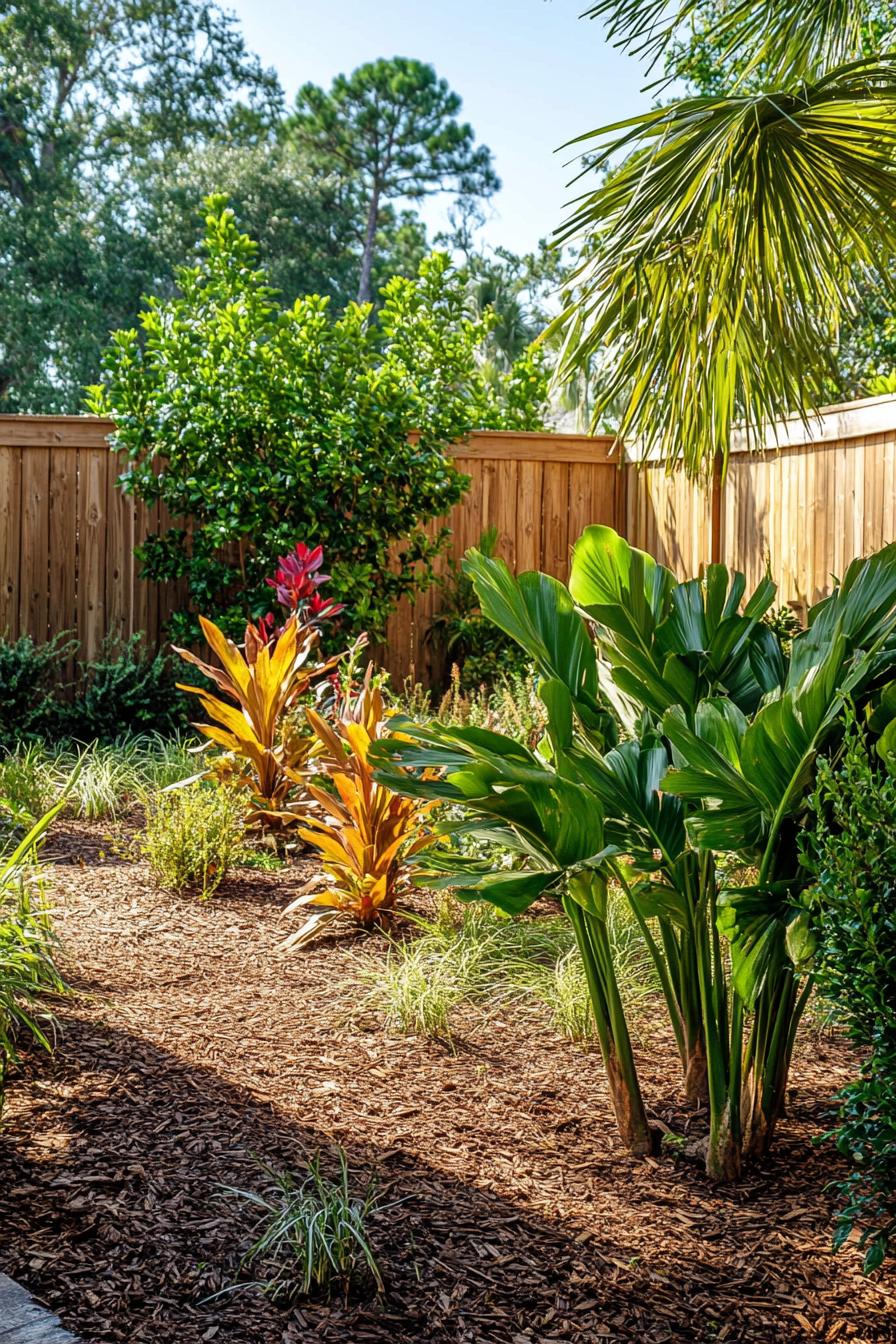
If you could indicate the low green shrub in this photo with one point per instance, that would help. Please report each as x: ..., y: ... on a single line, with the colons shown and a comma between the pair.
x: 311, y: 1234
x: 853, y: 852
x: 30, y: 687
x: 127, y: 690
x: 193, y: 836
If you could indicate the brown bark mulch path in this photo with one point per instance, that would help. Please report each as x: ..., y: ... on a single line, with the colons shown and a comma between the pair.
x: 193, y: 1048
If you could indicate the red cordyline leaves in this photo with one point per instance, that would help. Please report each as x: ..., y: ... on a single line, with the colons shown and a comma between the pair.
x: 296, y: 583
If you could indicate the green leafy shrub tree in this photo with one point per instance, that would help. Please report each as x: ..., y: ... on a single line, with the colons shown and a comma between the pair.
x: 682, y: 746
x: 852, y: 850
x: 261, y: 426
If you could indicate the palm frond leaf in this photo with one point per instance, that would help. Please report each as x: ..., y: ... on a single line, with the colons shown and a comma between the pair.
x: 718, y: 260
x: 792, y: 38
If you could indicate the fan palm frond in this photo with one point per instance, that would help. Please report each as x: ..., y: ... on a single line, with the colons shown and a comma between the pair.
x: 793, y: 38
x: 718, y: 260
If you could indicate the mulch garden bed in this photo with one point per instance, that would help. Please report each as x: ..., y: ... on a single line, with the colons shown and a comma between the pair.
x: 193, y: 1048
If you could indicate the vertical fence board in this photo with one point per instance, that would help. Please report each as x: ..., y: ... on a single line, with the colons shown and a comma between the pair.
x: 34, y: 572
x: 119, y: 558
x: 506, y: 504
x: 63, y: 543
x: 528, y: 517
x: 10, y: 540
x: 93, y: 471
x: 555, y: 519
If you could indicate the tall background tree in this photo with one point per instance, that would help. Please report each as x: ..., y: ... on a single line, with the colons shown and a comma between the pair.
x: 392, y: 129
x: 94, y: 101
x: 116, y: 120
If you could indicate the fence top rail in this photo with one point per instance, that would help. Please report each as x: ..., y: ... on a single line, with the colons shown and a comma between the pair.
x: 88, y: 431
x: 538, y: 446
x: 54, y: 431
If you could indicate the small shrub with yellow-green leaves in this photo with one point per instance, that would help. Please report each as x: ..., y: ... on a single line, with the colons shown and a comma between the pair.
x: 194, y: 835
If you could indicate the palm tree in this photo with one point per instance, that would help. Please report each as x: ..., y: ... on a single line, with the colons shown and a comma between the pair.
x: 719, y: 259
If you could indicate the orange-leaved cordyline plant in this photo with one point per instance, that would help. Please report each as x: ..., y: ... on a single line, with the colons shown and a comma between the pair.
x: 263, y: 752
x: 367, y: 834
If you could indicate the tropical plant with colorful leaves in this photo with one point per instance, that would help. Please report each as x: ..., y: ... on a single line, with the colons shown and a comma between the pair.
x: 367, y: 834
x: 264, y: 754
x: 297, y: 583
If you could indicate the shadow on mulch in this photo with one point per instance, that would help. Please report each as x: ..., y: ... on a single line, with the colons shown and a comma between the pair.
x: 119, y: 1229
x: 198, y: 1049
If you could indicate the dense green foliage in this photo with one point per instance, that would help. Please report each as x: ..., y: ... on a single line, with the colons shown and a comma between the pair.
x: 95, y: 101
x: 275, y: 425
x: 115, y: 121
x: 391, y: 128
x: 679, y: 760
x: 126, y: 690
x: 30, y: 683
x: 853, y: 852
x: 100, y: 781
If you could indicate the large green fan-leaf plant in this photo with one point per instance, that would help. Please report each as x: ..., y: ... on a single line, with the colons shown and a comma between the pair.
x: 679, y: 761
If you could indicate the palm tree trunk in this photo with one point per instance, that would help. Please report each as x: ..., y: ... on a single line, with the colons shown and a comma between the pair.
x: 612, y: 1028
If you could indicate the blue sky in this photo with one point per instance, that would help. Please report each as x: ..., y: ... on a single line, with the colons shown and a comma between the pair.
x: 530, y: 72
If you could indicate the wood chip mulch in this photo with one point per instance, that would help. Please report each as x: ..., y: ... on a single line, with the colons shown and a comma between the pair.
x: 192, y: 1048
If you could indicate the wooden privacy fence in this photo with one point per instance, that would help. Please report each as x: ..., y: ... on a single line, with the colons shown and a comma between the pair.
x: 67, y: 537
x: 539, y: 491
x: 804, y: 508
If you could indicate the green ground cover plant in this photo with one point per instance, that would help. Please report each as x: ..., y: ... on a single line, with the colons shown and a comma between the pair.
x: 478, y: 653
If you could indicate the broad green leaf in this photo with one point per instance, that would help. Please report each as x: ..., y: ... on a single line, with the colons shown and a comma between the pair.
x: 537, y: 611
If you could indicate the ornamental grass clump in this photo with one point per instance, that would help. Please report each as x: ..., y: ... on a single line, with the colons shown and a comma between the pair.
x: 311, y: 1234
x: 27, y: 968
